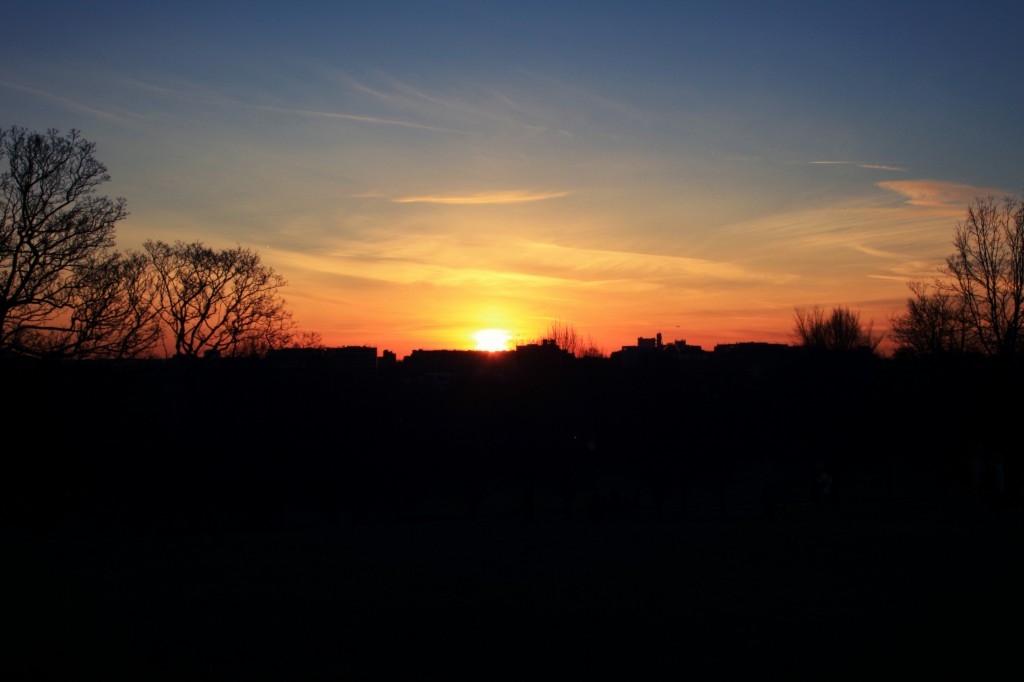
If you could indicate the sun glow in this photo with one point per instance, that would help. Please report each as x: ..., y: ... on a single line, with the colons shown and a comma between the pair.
x: 492, y: 339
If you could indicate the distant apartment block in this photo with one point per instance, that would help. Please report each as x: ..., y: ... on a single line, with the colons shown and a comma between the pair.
x: 654, y: 349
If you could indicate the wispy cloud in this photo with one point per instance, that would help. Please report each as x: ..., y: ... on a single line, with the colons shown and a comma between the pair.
x: 937, y: 193
x: 348, y: 81
x: 861, y: 164
x: 880, y: 166
x: 609, y: 265
x: 839, y: 246
x: 218, y: 99
x: 185, y: 92
x: 374, y: 120
x: 508, y: 108
x: 583, y: 94
x: 63, y: 101
x: 503, y: 197
x: 495, y: 264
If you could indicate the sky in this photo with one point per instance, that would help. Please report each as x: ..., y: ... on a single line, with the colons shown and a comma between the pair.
x: 420, y: 171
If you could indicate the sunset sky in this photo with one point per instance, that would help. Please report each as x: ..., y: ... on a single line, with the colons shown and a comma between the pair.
x: 419, y: 171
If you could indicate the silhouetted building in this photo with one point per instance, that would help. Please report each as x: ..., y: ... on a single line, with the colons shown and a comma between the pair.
x: 546, y: 350
x: 541, y: 358
x: 654, y: 349
x: 681, y: 349
x: 652, y: 343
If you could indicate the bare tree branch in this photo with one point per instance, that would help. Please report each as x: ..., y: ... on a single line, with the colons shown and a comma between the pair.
x: 840, y: 330
x: 51, y: 224
x: 986, y: 273
x: 222, y: 302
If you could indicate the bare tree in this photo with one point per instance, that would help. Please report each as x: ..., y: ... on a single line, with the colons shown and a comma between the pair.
x: 935, y: 322
x: 223, y: 302
x: 987, y: 272
x: 113, y: 310
x: 569, y: 338
x: 839, y: 330
x: 307, y: 339
x: 51, y: 224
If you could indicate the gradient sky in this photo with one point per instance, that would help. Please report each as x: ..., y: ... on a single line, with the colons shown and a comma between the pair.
x: 418, y: 171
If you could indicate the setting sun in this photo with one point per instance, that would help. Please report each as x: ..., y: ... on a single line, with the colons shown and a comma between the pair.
x: 492, y: 339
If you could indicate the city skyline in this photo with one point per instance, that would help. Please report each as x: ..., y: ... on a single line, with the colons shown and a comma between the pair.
x: 419, y: 173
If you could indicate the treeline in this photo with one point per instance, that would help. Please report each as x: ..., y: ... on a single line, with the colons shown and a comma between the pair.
x: 65, y: 291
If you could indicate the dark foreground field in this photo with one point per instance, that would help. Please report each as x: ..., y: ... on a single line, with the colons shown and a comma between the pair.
x: 228, y: 522
x: 855, y: 594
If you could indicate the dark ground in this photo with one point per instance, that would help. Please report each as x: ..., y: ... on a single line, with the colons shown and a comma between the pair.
x: 195, y: 522
x: 855, y: 594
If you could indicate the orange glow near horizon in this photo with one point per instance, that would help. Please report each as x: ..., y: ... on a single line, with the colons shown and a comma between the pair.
x: 449, y: 288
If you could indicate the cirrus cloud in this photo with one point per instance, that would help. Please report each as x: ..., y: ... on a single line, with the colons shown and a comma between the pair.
x: 937, y: 193
x: 501, y: 197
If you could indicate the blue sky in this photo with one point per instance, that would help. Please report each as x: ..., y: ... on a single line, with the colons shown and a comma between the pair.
x: 418, y: 171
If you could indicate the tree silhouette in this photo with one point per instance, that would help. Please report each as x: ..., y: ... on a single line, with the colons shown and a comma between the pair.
x: 935, y: 322
x: 113, y: 310
x: 52, y: 227
x: 987, y: 272
x: 570, y: 339
x: 840, y: 330
x: 222, y: 302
